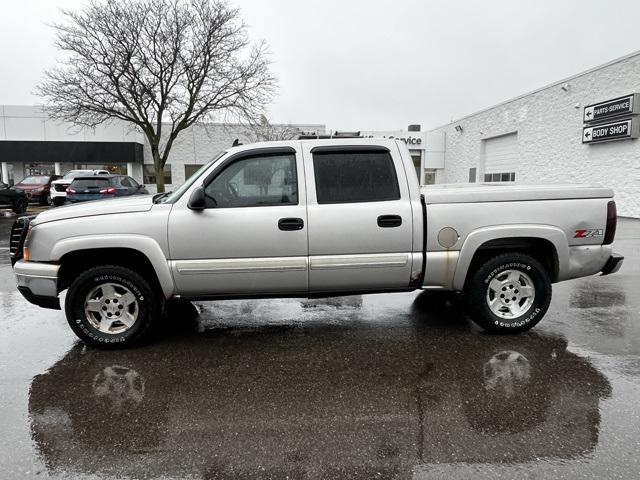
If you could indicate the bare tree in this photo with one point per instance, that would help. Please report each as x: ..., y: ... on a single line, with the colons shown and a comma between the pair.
x: 262, y: 130
x: 162, y: 65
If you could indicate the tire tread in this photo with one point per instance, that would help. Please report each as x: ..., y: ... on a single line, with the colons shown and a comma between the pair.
x: 475, y: 293
x: 154, y: 306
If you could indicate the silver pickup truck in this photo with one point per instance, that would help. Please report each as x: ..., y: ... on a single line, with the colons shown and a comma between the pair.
x: 312, y: 218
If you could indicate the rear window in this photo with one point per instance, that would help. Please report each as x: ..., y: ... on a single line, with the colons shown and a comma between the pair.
x: 352, y: 176
x: 81, y: 183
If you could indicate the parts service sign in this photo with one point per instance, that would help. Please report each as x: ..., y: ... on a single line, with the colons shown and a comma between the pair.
x: 620, y: 130
x: 622, y: 106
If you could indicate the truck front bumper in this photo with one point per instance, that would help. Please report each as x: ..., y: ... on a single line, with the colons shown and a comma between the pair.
x: 38, y: 283
x: 613, y: 264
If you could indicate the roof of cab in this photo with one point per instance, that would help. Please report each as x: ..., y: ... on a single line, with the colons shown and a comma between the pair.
x: 297, y: 144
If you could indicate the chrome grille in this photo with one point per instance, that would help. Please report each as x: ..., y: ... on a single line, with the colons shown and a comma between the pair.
x: 16, y: 240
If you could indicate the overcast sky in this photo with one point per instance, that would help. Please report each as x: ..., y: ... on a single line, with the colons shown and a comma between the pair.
x: 378, y: 64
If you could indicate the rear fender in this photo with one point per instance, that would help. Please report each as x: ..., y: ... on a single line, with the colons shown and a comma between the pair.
x: 483, y: 235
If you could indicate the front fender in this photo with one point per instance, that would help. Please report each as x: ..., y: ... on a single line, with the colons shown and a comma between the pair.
x: 483, y: 235
x: 145, y: 245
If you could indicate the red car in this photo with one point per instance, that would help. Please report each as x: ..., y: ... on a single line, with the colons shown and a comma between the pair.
x: 37, y: 187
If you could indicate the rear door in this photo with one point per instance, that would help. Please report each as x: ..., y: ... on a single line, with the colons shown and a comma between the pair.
x: 360, y: 218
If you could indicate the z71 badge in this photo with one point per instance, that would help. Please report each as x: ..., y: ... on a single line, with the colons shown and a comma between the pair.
x: 589, y: 233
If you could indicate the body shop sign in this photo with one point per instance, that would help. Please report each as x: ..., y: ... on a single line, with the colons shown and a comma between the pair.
x: 620, y: 130
x: 621, y: 106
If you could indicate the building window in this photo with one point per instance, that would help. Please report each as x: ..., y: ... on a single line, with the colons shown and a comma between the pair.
x: 500, y: 177
x: 417, y: 160
x: 149, y: 175
x: 429, y: 176
x: 114, y: 168
x: 190, y: 169
x: 39, y: 169
x: 472, y: 175
x: 355, y: 176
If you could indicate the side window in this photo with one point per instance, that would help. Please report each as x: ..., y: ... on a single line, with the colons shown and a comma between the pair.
x: 255, y: 181
x: 352, y: 176
x: 125, y: 182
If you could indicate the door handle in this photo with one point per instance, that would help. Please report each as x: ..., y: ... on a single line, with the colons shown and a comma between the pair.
x: 389, y: 221
x: 290, y: 224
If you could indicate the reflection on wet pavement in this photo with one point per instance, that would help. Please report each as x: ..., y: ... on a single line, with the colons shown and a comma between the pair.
x: 337, y: 401
x: 383, y: 386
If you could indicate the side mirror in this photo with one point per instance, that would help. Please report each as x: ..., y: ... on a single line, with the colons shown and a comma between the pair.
x: 197, y: 199
x: 141, y: 186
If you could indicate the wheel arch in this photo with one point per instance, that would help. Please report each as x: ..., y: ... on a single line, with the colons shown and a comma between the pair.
x: 142, y: 254
x: 547, y: 244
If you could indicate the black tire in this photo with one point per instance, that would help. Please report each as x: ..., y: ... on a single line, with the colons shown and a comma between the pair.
x: 20, y: 205
x: 58, y: 201
x: 149, y: 307
x: 43, y: 200
x: 478, y: 294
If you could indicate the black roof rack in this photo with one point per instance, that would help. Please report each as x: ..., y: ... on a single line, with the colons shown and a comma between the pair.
x: 326, y: 136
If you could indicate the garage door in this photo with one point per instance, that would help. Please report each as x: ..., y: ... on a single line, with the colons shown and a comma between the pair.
x: 501, y: 158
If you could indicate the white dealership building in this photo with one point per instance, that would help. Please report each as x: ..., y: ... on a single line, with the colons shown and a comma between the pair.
x: 31, y: 143
x: 581, y: 129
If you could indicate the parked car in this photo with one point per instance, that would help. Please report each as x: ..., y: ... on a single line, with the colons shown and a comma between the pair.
x: 312, y: 218
x: 37, y: 187
x: 14, y: 199
x: 100, y: 187
x: 59, y: 187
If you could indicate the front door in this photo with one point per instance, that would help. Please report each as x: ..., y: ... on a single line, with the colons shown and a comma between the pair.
x: 360, y: 219
x: 252, y: 237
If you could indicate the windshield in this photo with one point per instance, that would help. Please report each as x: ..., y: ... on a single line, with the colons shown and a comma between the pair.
x: 77, y: 173
x: 35, y: 180
x: 185, y: 186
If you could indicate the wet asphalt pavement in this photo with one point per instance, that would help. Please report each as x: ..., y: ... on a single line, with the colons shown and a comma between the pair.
x: 378, y: 386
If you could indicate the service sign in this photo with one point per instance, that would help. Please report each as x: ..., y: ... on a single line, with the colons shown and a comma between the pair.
x: 617, y: 107
x: 414, y: 140
x: 621, y: 130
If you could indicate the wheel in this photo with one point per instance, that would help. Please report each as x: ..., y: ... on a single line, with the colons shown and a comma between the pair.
x: 509, y: 293
x: 112, y: 307
x: 44, y: 200
x: 58, y: 201
x: 20, y: 205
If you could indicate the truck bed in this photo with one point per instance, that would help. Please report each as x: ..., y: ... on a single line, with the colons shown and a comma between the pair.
x: 506, y: 192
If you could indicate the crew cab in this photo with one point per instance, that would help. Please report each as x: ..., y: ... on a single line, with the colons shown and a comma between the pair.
x: 312, y: 218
